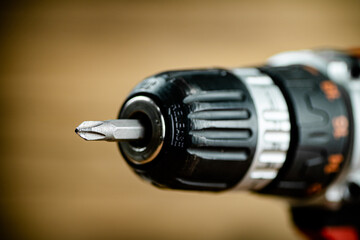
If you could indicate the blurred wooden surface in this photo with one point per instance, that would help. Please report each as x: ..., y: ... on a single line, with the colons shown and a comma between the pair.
x: 63, y: 62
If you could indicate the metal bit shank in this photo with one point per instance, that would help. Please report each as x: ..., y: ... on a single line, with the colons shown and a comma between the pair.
x: 111, y: 130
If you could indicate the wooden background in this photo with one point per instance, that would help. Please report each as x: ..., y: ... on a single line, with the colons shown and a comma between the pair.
x: 63, y: 62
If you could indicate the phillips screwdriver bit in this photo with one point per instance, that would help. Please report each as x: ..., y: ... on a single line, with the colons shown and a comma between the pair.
x: 111, y: 130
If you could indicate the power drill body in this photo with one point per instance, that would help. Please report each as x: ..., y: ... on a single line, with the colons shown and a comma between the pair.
x: 287, y: 128
x: 290, y: 128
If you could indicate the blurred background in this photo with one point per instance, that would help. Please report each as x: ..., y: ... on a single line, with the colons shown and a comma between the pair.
x: 63, y: 62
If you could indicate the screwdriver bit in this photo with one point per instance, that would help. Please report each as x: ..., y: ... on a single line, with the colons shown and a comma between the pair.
x: 111, y: 130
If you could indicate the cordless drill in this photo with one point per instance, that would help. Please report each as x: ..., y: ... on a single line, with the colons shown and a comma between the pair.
x: 289, y: 128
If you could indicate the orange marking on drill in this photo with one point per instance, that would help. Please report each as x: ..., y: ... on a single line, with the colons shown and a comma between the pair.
x: 341, y: 126
x: 334, y: 162
x: 314, y: 188
x: 330, y: 89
